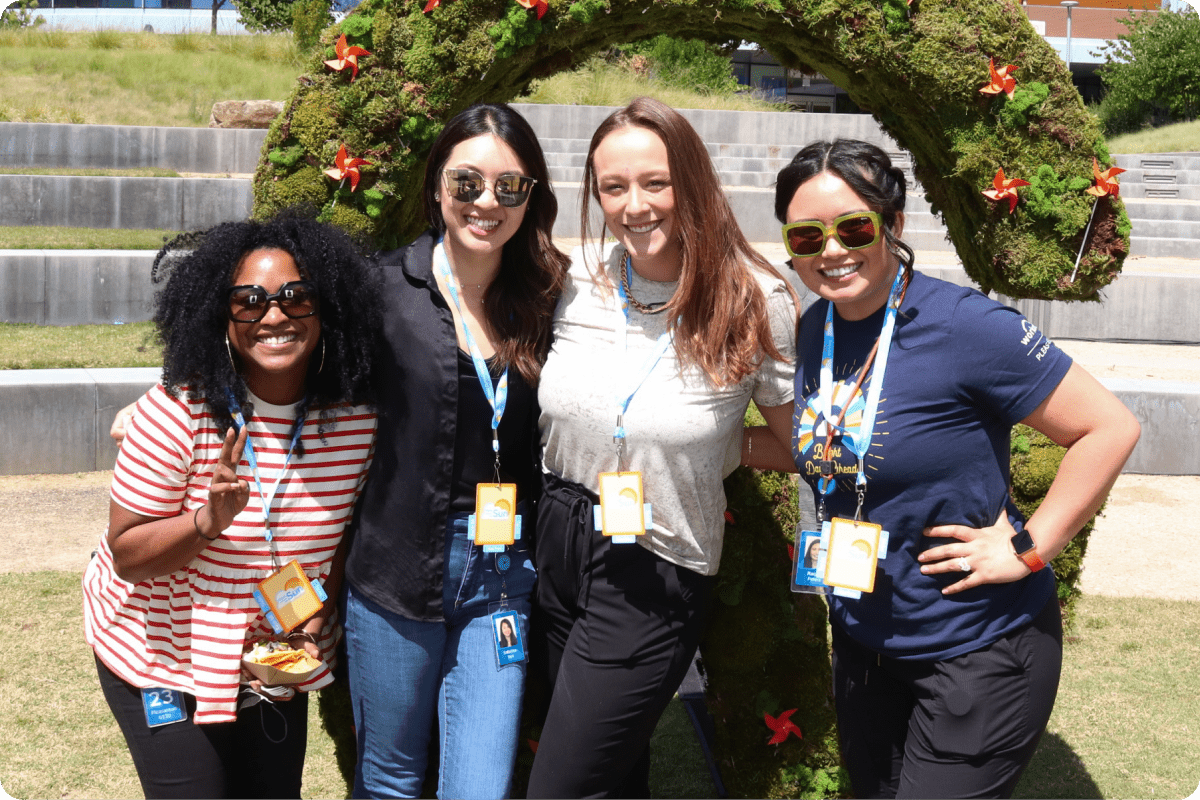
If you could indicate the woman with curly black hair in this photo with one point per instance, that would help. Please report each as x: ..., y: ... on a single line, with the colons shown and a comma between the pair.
x: 236, y: 478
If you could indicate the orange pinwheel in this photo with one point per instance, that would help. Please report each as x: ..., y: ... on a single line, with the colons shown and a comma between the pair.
x: 1005, y: 189
x: 540, y: 5
x: 782, y: 726
x: 347, y: 56
x: 1106, y: 182
x: 346, y: 168
x: 1002, y: 80
x: 431, y: 5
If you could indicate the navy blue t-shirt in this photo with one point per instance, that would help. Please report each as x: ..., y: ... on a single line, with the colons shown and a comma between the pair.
x: 961, y: 371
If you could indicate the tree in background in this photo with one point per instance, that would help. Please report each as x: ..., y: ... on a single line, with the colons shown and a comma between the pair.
x: 694, y: 64
x: 1152, y: 73
x: 264, y: 16
x: 20, y: 15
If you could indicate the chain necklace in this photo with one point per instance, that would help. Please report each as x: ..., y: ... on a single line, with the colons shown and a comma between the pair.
x: 633, y: 301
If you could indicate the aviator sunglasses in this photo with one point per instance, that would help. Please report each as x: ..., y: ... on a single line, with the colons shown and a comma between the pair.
x: 297, y: 300
x: 853, y: 231
x: 467, y: 185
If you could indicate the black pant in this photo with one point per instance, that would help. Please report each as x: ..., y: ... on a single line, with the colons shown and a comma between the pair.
x: 617, y: 628
x: 259, y: 755
x: 964, y: 727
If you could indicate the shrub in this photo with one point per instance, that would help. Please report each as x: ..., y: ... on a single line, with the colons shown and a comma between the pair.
x: 1152, y: 73
x: 20, y: 15
x: 309, y: 18
x: 688, y: 64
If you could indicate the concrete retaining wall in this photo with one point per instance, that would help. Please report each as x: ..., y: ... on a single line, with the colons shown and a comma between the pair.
x: 75, y: 287
x: 57, y: 420
x: 207, y: 150
x: 179, y: 204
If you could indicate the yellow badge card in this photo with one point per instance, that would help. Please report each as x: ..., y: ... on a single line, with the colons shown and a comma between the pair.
x: 621, y: 504
x: 853, y: 553
x: 495, y: 513
x: 290, y: 596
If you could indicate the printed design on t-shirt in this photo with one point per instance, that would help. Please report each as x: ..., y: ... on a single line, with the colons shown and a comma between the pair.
x: 811, y: 428
x: 1035, y: 342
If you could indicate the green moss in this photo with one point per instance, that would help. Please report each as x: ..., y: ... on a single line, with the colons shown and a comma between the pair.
x: 1027, y: 99
x: 286, y: 156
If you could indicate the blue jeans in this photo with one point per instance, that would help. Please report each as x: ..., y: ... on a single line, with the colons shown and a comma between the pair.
x: 402, y: 670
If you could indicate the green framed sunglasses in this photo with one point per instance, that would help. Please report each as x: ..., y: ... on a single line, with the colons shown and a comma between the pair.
x: 853, y: 232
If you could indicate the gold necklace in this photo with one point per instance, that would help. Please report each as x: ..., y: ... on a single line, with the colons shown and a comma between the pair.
x: 626, y: 268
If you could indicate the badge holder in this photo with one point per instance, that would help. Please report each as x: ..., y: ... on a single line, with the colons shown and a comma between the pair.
x: 163, y: 707
x: 853, y: 550
x: 806, y: 572
x: 288, y: 598
x: 506, y: 635
x: 622, y: 514
x: 495, y: 523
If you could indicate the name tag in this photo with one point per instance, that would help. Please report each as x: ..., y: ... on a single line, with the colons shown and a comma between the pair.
x: 163, y: 707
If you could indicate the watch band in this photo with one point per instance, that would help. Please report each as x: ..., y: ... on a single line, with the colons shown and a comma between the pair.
x: 1023, y: 546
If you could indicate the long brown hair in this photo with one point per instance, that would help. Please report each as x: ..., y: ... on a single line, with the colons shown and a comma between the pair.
x: 520, y: 302
x: 718, y: 312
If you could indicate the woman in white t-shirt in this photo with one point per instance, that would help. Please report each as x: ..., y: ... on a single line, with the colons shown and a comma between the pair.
x: 661, y: 341
x: 246, y: 458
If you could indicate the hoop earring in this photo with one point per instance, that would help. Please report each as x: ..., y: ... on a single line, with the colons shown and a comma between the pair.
x: 229, y: 352
x: 321, y: 366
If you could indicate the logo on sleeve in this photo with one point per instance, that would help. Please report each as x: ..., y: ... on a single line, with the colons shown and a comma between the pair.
x: 1035, y: 342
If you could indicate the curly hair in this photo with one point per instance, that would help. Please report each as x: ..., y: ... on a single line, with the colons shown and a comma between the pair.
x: 520, y: 302
x: 192, y: 312
x: 867, y: 170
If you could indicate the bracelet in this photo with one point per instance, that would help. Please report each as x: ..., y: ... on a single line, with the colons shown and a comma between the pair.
x: 196, y: 525
x: 298, y: 634
x: 749, y: 444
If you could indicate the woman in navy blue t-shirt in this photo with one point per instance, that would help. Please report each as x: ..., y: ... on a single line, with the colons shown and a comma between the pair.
x: 946, y: 663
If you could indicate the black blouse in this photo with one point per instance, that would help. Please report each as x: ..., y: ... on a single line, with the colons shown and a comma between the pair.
x: 424, y: 468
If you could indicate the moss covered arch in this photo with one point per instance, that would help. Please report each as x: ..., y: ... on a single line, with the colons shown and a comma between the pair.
x: 918, y: 69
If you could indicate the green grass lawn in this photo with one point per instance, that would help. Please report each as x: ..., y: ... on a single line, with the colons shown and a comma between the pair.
x: 1182, y: 137
x: 38, y: 237
x: 24, y: 346
x: 1124, y: 726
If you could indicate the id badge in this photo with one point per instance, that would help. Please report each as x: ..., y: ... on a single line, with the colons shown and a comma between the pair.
x: 808, y: 564
x: 163, y: 707
x: 853, y: 554
x: 495, y: 513
x: 506, y: 633
x: 622, y: 504
x: 289, y: 598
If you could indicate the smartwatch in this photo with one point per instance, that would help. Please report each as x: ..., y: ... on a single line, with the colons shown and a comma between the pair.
x: 1023, y: 545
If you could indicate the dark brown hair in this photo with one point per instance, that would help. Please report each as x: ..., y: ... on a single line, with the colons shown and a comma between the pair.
x: 520, y: 302
x: 867, y: 170
x: 718, y: 312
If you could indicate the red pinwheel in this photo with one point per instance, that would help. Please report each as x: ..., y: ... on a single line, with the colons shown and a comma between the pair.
x: 729, y: 517
x: 791, y: 552
x: 1005, y: 189
x: 346, y: 168
x: 782, y: 726
x: 1002, y: 80
x: 347, y: 56
x: 533, y: 745
x: 540, y: 5
x: 431, y: 5
x: 1106, y: 183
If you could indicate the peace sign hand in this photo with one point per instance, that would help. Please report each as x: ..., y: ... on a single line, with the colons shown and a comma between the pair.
x: 227, y: 494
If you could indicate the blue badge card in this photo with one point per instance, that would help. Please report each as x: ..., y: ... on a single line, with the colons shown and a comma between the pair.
x: 163, y: 707
x: 506, y: 631
x: 808, y: 564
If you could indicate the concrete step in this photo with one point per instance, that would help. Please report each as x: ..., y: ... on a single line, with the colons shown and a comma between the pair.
x: 202, y: 150
x: 57, y: 421
x: 181, y: 204
x: 1141, y: 208
x: 1158, y: 161
x: 76, y: 287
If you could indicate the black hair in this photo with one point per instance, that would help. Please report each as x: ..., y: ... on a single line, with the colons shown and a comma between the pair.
x: 192, y: 311
x: 866, y: 169
x: 520, y: 302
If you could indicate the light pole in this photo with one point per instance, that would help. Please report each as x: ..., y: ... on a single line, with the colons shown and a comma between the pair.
x: 1068, y: 5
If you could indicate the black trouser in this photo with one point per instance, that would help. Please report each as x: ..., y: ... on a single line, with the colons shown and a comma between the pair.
x: 964, y: 727
x: 259, y: 755
x: 618, y: 627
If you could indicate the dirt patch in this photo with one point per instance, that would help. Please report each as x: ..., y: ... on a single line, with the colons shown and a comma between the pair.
x: 51, y: 522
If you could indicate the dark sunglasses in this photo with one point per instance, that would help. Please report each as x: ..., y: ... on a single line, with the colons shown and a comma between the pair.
x: 297, y: 300
x: 467, y: 185
x: 853, y: 232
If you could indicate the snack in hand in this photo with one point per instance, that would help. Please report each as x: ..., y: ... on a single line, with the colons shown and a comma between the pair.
x: 282, y: 656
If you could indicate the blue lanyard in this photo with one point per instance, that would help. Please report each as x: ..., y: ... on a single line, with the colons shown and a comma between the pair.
x: 625, y: 395
x: 497, y: 398
x: 235, y: 411
x: 860, y: 443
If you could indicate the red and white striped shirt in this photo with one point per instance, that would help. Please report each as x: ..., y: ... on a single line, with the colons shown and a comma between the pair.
x: 188, y: 630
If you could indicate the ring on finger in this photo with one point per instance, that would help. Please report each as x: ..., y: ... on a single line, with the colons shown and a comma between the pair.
x: 963, y: 564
